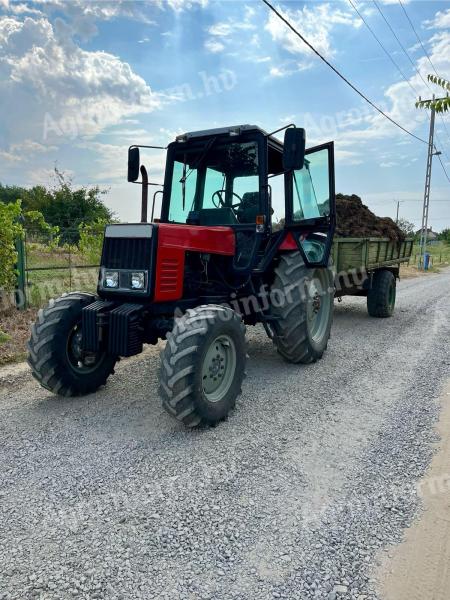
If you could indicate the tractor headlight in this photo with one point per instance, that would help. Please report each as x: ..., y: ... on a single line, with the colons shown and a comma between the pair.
x: 111, y: 279
x: 138, y: 280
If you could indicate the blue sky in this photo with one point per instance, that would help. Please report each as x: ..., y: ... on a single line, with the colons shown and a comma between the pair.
x: 81, y: 81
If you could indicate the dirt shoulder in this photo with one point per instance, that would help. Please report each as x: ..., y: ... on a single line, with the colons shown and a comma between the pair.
x: 14, y: 334
x: 419, y: 567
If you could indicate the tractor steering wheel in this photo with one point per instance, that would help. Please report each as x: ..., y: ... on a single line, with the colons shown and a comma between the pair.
x: 221, y: 202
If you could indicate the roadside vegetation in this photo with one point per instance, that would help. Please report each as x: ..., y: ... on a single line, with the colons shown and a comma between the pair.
x: 62, y: 230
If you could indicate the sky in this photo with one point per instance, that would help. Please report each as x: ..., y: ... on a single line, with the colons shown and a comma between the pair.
x: 81, y: 81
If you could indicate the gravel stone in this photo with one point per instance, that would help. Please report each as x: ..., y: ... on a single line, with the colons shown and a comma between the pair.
x: 296, y: 495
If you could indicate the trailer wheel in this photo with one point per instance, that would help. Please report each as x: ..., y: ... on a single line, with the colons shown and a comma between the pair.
x: 381, y: 296
x: 54, y: 349
x: 302, y: 307
x: 203, y: 365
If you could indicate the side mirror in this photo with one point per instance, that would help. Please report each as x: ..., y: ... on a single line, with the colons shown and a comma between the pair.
x: 294, y: 149
x: 133, y: 164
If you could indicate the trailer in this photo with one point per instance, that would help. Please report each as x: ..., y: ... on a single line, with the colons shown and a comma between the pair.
x: 370, y: 267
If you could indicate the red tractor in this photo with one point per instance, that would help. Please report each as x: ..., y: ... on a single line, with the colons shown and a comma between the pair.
x: 215, y: 261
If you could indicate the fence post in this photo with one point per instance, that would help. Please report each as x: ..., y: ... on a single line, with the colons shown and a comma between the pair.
x: 21, y: 290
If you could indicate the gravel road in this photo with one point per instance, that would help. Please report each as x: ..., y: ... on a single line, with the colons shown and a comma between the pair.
x: 294, y: 496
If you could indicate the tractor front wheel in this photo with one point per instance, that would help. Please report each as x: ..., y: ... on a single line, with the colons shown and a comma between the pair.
x: 203, y: 365
x: 55, y: 352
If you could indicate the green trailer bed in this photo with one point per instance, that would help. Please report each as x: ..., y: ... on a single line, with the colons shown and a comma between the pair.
x: 369, y: 253
x: 369, y: 267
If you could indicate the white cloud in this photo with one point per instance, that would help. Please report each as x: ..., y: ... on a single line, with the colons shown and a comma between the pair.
x: 46, y: 176
x: 79, y: 16
x: 55, y: 87
x: 179, y: 5
x: 9, y: 157
x: 315, y: 22
x: 111, y: 161
x: 441, y: 20
x: 18, y: 8
x: 277, y: 72
x: 394, y: 1
x: 30, y: 147
x: 226, y: 28
x: 399, y: 102
x: 214, y: 46
x: 222, y: 32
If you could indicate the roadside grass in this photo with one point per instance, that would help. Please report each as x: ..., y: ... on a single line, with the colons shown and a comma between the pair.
x: 14, y: 334
x: 72, y: 272
x: 439, y: 252
x: 43, y: 285
x: 4, y: 337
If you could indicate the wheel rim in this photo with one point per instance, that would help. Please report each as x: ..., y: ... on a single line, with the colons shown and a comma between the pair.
x: 318, y: 305
x: 79, y: 361
x: 218, y: 369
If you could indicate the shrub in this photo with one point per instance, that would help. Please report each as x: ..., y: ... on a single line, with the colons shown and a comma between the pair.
x: 91, y: 240
x: 10, y: 230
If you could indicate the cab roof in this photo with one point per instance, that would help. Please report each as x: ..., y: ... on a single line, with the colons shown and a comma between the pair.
x: 232, y: 130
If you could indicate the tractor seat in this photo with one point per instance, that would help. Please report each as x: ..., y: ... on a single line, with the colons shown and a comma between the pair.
x: 216, y: 216
x: 248, y: 208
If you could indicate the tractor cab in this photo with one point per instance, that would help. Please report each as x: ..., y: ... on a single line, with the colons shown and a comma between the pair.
x: 243, y: 178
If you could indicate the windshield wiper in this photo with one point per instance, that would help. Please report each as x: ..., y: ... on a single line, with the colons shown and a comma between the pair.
x: 194, y: 167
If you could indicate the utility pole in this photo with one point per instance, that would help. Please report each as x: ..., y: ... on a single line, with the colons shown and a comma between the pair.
x: 398, y: 208
x: 426, y: 195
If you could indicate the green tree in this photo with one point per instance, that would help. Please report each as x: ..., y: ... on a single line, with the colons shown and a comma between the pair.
x: 441, y: 105
x: 444, y: 235
x: 37, y: 226
x: 406, y: 227
x: 62, y: 206
x: 91, y: 240
x: 10, y: 230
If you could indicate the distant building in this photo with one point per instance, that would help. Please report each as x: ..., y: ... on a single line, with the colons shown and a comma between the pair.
x: 432, y: 237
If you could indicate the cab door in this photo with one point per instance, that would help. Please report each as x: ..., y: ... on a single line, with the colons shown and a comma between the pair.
x: 311, y: 205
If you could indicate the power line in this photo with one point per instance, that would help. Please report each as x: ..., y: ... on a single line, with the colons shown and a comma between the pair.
x: 400, y: 44
x: 443, y: 167
x: 408, y: 57
x: 417, y: 36
x: 407, y: 200
x: 427, y: 55
x: 384, y: 49
x: 339, y: 74
x: 394, y: 63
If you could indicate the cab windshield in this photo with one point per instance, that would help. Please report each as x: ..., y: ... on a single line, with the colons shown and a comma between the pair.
x: 215, y: 183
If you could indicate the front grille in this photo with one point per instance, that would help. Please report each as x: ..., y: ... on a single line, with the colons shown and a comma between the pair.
x: 127, y: 253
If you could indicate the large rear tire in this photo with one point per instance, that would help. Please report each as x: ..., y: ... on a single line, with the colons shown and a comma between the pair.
x: 381, y: 296
x: 55, y: 355
x: 203, y: 365
x: 302, y: 307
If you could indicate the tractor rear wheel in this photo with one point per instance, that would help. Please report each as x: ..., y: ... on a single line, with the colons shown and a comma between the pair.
x: 302, y: 307
x: 54, y: 350
x: 381, y: 296
x: 203, y: 365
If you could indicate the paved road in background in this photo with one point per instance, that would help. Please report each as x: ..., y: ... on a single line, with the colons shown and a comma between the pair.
x: 295, y: 496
